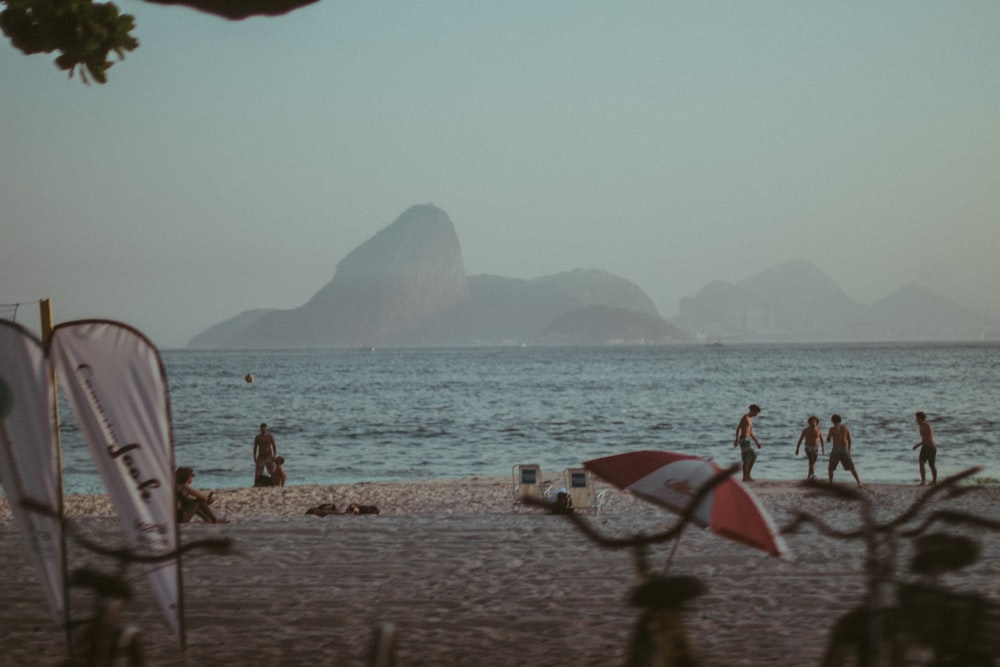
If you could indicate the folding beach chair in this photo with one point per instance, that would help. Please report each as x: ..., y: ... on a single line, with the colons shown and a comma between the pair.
x: 527, y: 482
x: 580, y: 485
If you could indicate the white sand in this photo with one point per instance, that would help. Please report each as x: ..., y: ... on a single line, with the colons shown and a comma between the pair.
x: 467, y: 581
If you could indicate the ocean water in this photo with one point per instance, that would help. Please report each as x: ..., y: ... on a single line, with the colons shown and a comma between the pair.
x: 342, y: 416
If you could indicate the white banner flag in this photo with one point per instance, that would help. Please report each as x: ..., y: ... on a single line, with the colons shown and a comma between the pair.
x: 117, y: 385
x: 29, y: 461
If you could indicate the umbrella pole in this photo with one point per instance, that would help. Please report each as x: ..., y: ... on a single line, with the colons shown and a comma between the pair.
x: 673, y: 550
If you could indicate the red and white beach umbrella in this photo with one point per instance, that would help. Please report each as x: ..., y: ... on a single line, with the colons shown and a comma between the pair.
x: 670, y: 480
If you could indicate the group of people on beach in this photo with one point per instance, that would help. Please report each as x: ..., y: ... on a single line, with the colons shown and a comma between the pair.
x: 840, y: 452
x: 193, y: 503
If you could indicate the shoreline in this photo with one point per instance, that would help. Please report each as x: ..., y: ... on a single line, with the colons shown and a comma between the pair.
x: 904, y: 473
x: 473, y: 495
x: 468, y: 581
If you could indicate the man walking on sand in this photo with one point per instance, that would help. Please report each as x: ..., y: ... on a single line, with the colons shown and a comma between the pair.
x: 812, y: 435
x: 264, y: 451
x: 841, y: 450
x: 744, y: 434
x: 928, y: 449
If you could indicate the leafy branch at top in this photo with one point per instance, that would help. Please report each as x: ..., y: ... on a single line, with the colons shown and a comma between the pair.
x: 84, y: 32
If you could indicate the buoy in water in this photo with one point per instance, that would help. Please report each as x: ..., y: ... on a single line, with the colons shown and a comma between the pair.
x: 249, y: 378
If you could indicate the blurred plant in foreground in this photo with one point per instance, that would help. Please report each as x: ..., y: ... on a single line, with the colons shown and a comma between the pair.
x: 84, y: 32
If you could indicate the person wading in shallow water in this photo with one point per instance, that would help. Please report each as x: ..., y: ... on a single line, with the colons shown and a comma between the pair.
x: 812, y: 435
x: 841, y: 450
x: 928, y: 449
x: 744, y: 434
x: 264, y: 451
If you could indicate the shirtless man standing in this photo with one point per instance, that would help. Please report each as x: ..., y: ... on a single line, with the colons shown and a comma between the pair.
x: 841, y: 450
x: 928, y: 449
x: 264, y: 451
x: 744, y: 434
x: 812, y: 435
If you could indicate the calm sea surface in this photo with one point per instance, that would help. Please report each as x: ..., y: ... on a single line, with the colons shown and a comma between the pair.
x: 376, y: 415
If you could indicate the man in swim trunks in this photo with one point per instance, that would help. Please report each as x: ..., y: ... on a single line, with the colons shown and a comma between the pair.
x: 264, y: 451
x: 841, y: 451
x: 928, y: 449
x: 813, y: 437
x: 744, y: 434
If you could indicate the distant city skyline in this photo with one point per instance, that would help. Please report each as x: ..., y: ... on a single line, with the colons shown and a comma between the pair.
x: 230, y: 165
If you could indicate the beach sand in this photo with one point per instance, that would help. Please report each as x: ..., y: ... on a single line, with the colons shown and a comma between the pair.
x: 468, y: 581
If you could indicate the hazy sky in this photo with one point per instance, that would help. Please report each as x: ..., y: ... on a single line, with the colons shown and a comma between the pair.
x: 231, y: 165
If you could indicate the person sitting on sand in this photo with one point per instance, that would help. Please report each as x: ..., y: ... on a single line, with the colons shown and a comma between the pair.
x: 841, y: 450
x: 928, y: 449
x: 563, y: 503
x: 812, y: 435
x: 278, y: 477
x: 190, y: 501
x: 744, y: 433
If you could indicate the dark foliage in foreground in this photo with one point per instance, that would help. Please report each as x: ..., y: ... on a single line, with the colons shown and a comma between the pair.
x: 86, y: 33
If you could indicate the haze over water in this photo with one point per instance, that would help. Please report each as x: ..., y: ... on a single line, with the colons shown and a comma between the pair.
x: 343, y: 416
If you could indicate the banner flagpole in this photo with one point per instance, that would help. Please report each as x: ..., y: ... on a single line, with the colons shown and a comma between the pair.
x: 45, y: 314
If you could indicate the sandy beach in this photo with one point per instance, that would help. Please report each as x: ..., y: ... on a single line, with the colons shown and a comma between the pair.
x: 468, y: 581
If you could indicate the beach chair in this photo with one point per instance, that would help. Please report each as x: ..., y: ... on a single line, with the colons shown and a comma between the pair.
x: 527, y: 482
x: 580, y: 485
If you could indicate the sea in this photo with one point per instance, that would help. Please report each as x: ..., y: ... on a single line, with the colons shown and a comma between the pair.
x: 350, y: 415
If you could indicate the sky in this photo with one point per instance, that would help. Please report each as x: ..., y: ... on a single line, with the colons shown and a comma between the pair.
x: 227, y: 165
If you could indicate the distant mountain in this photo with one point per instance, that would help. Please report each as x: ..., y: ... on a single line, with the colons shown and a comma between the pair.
x: 607, y: 325
x: 406, y: 286
x: 916, y: 313
x: 385, y: 289
x: 220, y: 334
x: 795, y: 301
x: 503, y: 311
x: 592, y: 287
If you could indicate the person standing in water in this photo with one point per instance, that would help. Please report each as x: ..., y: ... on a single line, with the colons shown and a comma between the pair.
x: 264, y: 451
x: 812, y: 435
x: 928, y: 449
x: 840, y: 453
x: 744, y: 434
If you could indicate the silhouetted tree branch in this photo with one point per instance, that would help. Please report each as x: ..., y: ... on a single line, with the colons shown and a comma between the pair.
x: 86, y: 33
x: 239, y: 9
